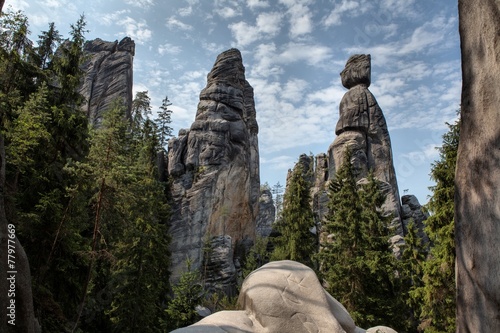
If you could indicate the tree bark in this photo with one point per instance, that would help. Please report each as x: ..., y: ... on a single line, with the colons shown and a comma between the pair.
x: 477, y: 180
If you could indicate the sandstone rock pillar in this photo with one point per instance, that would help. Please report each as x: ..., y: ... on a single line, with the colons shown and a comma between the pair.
x: 477, y: 180
x: 215, y: 170
x: 362, y: 129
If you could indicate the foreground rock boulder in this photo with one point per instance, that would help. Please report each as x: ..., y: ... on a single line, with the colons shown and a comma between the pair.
x: 282, y: 296
x: 477, y: 180
x: 214, y: 167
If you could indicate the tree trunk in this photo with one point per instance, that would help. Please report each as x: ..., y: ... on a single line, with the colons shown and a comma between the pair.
x: 16, y: 299
x: 477, y: 180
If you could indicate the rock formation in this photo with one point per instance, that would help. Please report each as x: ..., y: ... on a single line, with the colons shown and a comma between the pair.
x: 267, y: 213
x: 108, y: 76
x: 215, y: 168
x: 362, y: 129
x: 282, y: 296
x: 477, y: 179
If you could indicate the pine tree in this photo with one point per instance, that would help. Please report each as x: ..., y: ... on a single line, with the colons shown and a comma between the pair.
x: 163, y: 122
x: 438, y: 292
x: 411, y: 272
x: 141, y: 108
x: 296, y: 241
x: 355, y: 260
x: 187, y: 294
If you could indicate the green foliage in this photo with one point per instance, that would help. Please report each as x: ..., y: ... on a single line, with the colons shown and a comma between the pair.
x: 296, y: 241
x: 187, y: 294
x: 411, y: 272
x: 438, y: 292
x: 355, y: 260
x: 163, y: 122
x: 256, y: 257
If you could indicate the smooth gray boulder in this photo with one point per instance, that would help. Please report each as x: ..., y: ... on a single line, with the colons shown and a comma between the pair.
x: 477, y: 179
x: 282, y: 296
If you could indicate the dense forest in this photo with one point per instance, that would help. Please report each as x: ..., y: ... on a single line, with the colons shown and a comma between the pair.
x: 91, y: 209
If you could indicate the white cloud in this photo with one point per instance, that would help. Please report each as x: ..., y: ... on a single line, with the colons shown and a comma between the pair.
x: 168, y: 48
x: 256, y: 4
x: 340, y: 9
x: 140, y: 3
x: 294, y: 90
x: 138, y: 31
x: 185, y: 11
x: 281, y: 162
x: 114, y: 17
x: 267, y: 25
x: 269, y: 59
x: 173, y: 24
x: 55, y: 3
x: 227, y: 8
x: 300, y: 17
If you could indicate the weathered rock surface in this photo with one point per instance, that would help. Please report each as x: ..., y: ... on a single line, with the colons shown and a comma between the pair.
x: 412, y: 210
x: 215, y: 166
x: 108, y: 76
x: 477, y: 180
x: 282, y: 296
x: 267, y: 213
x: 362, y: 128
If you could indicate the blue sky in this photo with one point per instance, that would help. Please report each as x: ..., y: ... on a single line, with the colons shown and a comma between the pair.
x: 293, y: 51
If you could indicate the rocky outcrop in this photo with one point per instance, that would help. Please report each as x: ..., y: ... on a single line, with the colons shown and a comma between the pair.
x: 214, y: 167
x: 412, y: 210
x: 362, y: 129
x: 267, y: 213
x: 282, y: 296
x: 477, y: 179
x: 107, y: 76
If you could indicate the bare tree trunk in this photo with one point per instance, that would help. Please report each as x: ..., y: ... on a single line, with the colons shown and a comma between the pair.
x: 16, y: 299
x: 477, y: 180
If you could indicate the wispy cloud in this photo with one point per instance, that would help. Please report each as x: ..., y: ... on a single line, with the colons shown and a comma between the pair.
x: 138, y: 31
x: 257, y: 4
x: 140, y: 3
x: 267, y: 25
x: 113, y: 17
x: 173, y: 24
x: 300, y: 17
x: 227, y: 8
x: 344, y: 7
x: 168, y: 48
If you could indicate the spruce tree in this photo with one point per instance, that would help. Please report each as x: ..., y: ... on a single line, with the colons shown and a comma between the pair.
x: 296, y: 241
x: 163, y: 122
x: 355, y: 260
x: 438, y: 292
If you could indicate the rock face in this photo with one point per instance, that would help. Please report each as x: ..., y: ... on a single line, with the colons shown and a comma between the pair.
x: 215, y: 167
x: 267, y: 213
x: 282, y: 296
x: 477, y: 179
x: 108, y: 76
x: 362, y: 129
x: 412, y: 210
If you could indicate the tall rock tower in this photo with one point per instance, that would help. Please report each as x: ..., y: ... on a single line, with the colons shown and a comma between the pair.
x: 215, y: 170
x: 362, y: 129
x: 108, y: 76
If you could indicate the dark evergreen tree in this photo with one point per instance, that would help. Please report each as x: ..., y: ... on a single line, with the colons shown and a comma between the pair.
x: 438, y: 292
x: 47, y: 44
x: 296, y: 223
x: 163, y: 122
x: 141, y: 108
x: 355, y: 259
x: 187, y: 294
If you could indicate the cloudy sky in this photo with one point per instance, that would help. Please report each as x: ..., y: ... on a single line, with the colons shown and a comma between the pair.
x: 293, y: 51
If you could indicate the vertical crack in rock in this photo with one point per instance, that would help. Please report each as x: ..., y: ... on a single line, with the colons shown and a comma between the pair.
x: 108, y: 76
x: 215, y: 170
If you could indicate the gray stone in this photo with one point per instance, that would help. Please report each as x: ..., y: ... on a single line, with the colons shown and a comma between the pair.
x: 412, y: 210
x: 362, y: 129
x: 282, y: 296
x: 214, y: 167
x: 477, y: 179
x: 267, y: 213
x: 108, y: 76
